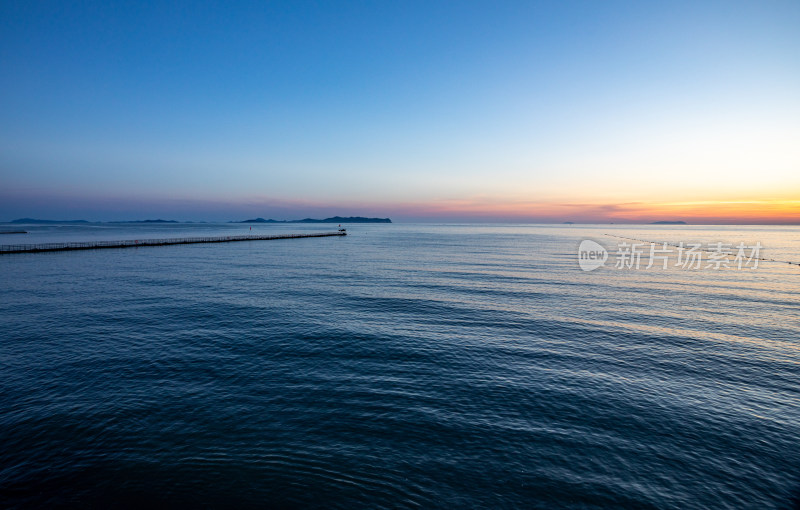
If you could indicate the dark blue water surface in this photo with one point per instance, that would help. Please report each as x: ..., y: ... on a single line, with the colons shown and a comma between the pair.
x: 401, y: 366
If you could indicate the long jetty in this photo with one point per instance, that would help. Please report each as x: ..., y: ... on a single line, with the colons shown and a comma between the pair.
x: 96, y: 245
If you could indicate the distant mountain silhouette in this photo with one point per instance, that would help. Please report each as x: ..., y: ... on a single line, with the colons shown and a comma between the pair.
x: 31, y: 221
x: 146, y: 221
x: 334, y: 219
x: 668, y: 223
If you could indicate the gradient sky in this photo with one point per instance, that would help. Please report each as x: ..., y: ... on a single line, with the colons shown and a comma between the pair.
x: 513, y: 111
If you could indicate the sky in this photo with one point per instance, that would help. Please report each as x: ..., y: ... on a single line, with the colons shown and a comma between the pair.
x: 419, y: 111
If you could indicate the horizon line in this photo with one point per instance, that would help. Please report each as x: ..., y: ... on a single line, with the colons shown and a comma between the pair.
x: 427, y: 219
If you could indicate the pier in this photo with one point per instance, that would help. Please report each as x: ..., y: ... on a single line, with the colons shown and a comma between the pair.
x: 96, y: 245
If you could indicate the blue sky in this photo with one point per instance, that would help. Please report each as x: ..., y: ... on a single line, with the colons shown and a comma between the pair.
x: 417, y: 110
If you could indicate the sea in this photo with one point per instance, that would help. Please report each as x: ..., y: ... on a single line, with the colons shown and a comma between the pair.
x: 402, y: 366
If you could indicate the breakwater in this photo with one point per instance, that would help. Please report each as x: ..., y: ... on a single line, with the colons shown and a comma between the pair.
x: 135, y: 243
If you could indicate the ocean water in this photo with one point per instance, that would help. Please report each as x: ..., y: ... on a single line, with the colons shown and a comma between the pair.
x: 402, y: 366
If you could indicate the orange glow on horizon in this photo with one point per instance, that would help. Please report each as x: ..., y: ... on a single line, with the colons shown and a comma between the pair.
x: 699, y: 212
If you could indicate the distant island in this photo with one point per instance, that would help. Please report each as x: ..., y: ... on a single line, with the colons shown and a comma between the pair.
x: 668, y: 223
x: 334, y: 219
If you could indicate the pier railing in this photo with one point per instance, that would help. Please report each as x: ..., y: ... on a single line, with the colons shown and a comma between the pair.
x: 134, y: 243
